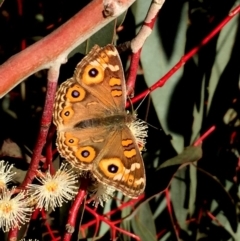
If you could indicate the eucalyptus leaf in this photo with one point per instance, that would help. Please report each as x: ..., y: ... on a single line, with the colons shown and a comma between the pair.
x: 163, y: 175
x: 190, y: 154
x: 125, y: 224
x: 143, y: 224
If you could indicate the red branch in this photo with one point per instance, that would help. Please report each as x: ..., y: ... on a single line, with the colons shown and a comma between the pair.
x: 111, y: 224
x: 41, y: 140
x: 50, y: 231
x: 73, y: 212
x: 49, y: 151
x: 133, y: 71
x: 204, y: 136
x: 55, y: 47
x: 213, y: 218
x: 187, y: 56
x: 12, y: 235
x: 136, y: 55
x: 107, y: 216
x: 170, y: 211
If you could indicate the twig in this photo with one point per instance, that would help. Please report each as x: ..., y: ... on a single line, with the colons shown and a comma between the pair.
x: 130, y: 203
x: 112, y: 225
x: 45, y: 123
x: 74, y: 210
x: 204, y: 136
x: 170, y: 212
x: 138, y: 41
x: 187, y: 56
x: 12, y: 235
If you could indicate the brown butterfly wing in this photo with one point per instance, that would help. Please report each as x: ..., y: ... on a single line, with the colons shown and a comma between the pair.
x: 120, y: 164
x: 96, y: 90
x: 111, y: 153
x: 81, y: 147
x: 74, y: 104
x: 101, y: 74
x: 84, y: 97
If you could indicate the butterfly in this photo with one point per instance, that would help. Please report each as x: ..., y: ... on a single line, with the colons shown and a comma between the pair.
x: 94, y: 131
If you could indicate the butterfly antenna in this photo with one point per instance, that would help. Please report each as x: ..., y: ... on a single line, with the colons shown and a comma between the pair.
x: 153, y: 126
x: 142, y: 100
x: 132, y: 109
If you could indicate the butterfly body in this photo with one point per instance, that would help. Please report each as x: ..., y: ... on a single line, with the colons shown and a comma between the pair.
x: 93, y: 129
x: 117, y: 122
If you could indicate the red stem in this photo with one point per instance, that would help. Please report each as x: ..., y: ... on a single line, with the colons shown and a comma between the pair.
x: 133, y: 72
x: 12, y: 235
x: 170, y: 211
x: 49, y: 151
x: 211, y: 216
x: 205, y: 135
x: 50, y: 232
x: 131, y: 202
x: 112, y: 226
x: 187, y: 56
x: 135, y: 62
x: 73, y: 212
x: 44, y: 127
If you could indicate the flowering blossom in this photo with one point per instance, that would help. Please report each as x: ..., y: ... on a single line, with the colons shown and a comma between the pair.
x: 139, y: 131
x: 13, y: 210
x: 5, y: 174
x: 54, y: 189
x: 28, y: 239
x: 101, y: 193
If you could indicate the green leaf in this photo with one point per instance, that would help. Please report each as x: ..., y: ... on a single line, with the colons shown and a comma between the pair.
x: 190, y: 154
x: 163, y: 175
x: 125, y: 224
x: 1, y: 2
x: 143, y: 224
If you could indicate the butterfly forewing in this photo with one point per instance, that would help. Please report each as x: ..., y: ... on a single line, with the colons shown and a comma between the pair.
x: 101, y: 74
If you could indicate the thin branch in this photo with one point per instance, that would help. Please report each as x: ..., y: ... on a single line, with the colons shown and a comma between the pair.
x: 73, y: 212
x: 139, y: 40
x: 187, y: 56
x: 204, y: 136
x: 45, y: 124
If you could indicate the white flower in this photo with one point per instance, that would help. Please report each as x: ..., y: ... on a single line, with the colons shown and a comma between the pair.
x: 28, y: 239
x: 5, y: 174
x: 139, y: 130
x: 13, y: 211
x: 101, y: 193
x: 55, y: 189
